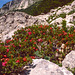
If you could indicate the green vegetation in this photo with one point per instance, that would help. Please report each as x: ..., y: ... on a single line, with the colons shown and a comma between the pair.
x: 44, y: 6
x: 63, y: 15
x: 71, y: 12
x: 37, y: 41
x: 51, y: 17
x: 72, y: 70
x: 73, y: 22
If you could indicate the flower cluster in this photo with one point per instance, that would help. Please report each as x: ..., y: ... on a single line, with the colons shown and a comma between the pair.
x: 38, y: 41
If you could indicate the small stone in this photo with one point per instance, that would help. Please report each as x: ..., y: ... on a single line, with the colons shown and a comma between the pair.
x: 63, y: 46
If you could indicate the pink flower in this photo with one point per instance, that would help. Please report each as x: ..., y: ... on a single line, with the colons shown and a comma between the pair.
x: 26, y: 37
x: 50, y: 28
x: 17, y: 39
x: 40, y: 26
x: 7, y: 46
x: 32, y: 57
x: 40, y: 40
x: 4, y: 63
x: 65, y: 33
x: 7, y: 50
x: 57, y: 50
x: 34, y: 42
x: 66, y: 42
x: 7, y: 41
x: 59, y: 34
x: 17, y: 61
x: 24, y: 59
x: 43, y: 33
x: 29, y: 33
x: 29, y: 29
x: 5, y: 56
x: 13, y: 45
x: 70, y: 35
x: 25, y: 40
x: 31, y: 40
x: 36, y: 49
x: 53, y: 37
x: 7, y: 59
x: 33, y: 32
x: 33, y: 47
x: 19, y: 45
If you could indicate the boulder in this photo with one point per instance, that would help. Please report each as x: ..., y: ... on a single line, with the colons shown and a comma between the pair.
x: 45, y: 67
x: 69, y: 60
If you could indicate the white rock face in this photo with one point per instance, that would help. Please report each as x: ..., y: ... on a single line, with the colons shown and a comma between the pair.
x: 45, y: 67
x: 60, y: 10
x: 70, y: 18
x: 12, y: 21
x: 8, y: 36
x: 17, y: 4
x: 73, y: 4
x: 17, y: 20
x: 69, y: 60
x: 58, y: 20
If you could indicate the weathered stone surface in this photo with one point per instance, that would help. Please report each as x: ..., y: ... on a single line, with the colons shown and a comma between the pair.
x: 70, y: 18
x: 60, y: 10
x: 45, y: 67
x: 17, y: 4
x: 58, y: 20
x: 73, y: 4
x: 69, y: 60
x: 12, y: 21
x: 17, y: 20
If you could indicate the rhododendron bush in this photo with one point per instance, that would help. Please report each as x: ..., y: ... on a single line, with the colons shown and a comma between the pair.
x: 37, y: 41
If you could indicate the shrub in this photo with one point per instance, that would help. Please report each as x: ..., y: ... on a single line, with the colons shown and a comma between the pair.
x: 44, y: 6
x: 71, y: 12
x: 63, y: 15
x: 37, y: 41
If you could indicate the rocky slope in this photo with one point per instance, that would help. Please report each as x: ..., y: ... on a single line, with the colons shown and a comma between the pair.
x: 17, y: 4
x: 45, y: 67
x: 56, y: 16
x: 13, y: 21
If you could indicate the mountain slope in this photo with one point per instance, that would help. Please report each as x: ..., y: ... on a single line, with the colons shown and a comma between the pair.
x: 17, y: 4
x: 44, y: 6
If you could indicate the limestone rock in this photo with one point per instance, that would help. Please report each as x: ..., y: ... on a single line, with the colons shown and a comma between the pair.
x: 17, y: 4
x: 69, y: 60
x: 12, y: 21
x: 70, y: 18
x: 17, y: 20
x: 45, y: 67
x: 73, y: 4
x: 56, y: 21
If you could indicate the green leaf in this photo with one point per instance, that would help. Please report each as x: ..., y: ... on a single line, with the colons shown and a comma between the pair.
x: 37, y: 54
x: 47, y: 57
